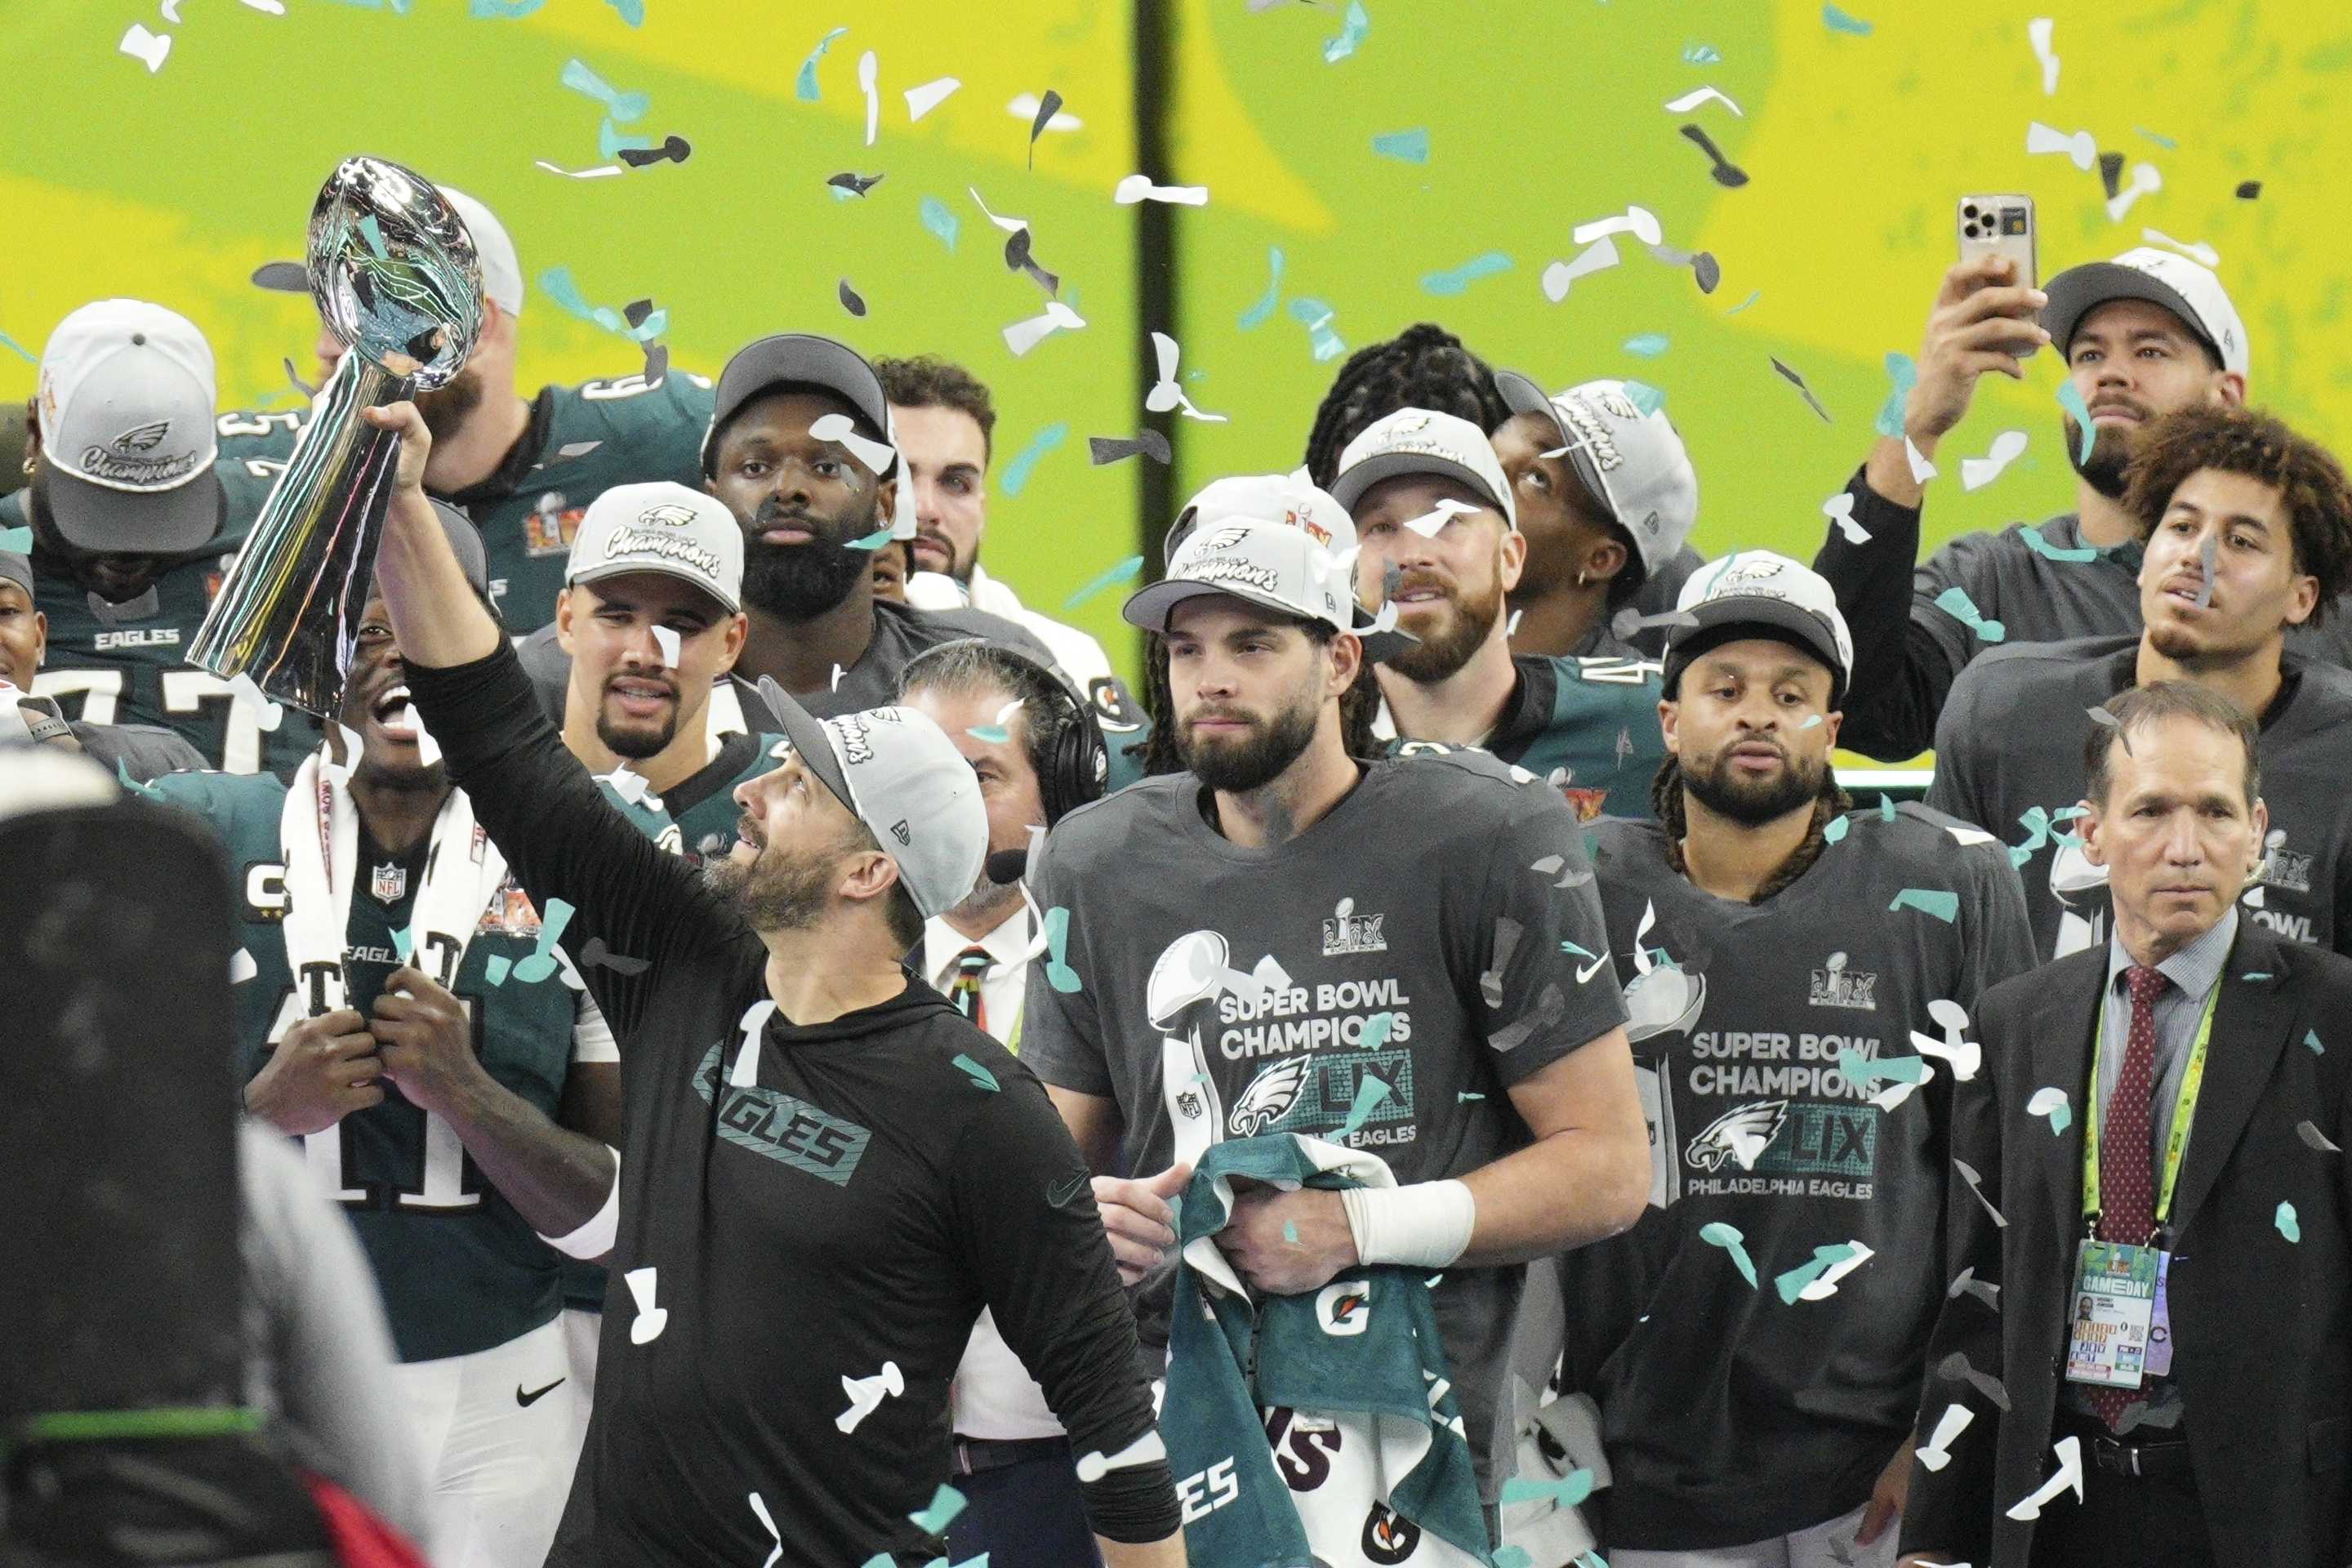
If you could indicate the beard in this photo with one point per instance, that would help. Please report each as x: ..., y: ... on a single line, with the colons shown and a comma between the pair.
x: 801, y: 582
x: 1445, y: 649
x: 1753, y: 803
x: 776, y: 892
x: 1237, y: 767
x: 446, y: 409
x: 636, y: 744
x: 2111, y: 450
x: 959, y: 564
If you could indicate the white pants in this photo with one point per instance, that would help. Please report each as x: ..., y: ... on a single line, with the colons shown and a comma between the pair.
x: 1819, y: 1547
x: 580, y: 1331
x: 499, y: 1469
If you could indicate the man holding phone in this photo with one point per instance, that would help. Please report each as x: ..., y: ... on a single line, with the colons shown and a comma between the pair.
x: 2144, y: 335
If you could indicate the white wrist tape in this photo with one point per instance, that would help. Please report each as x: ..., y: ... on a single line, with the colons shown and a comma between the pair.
x: 595, y: 1238
x: 1426, y: 1225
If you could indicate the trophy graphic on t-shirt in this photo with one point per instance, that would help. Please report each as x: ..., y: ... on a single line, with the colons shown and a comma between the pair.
x: 1186, y: 979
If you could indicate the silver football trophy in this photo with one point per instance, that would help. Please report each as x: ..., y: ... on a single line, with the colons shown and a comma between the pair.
x: 396, y: 278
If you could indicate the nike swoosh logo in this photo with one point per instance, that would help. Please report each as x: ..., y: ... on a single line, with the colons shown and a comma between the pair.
x: 527, y: 1400
x: 1590, y: 970
x: 1061, y: 1195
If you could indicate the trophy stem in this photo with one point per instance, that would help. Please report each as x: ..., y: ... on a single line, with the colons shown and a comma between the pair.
x: 289, y: 610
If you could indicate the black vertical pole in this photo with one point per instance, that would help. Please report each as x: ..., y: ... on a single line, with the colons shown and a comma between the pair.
x: 1153, y: 39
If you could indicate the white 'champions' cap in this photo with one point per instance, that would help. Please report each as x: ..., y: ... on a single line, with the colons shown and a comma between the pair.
x: 2187, y: 289
x: 1273, y: 565
x: 501, y: 271
x: 901, y: 776
x: 1418, y: 441
x: 663, y: 527
x: 1632, y: 463
x: 1755, y: 592
x: 126, y: 423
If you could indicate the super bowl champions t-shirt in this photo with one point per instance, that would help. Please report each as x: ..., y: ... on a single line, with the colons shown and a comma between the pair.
x: 2011, y: 746
x: 1421, y: 934
x: 1736, y: 1408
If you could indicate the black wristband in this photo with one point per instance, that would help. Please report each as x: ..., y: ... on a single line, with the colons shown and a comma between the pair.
x: 1133, y: 1504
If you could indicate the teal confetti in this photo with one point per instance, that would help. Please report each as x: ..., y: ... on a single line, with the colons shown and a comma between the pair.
x: 1885, y: 808
x: 1369, y: 1092
x: 633, y: 12
x: 1351, y: 33
x: 627, y: 108
x: 1572, y: 947
x: 978, y: 1074
x: 500, y: 10
x: 1316, y: 317
x: 374, y: 233
x: 16, y: 540
x: 1863, y: 1071
x: 1024, y: 462
x: 2040, y: 544
x: 1290, y: 1231
x: 2255, y: 974
x: 2166, y: 143
x: 1457, y: 281
x: 1513, y: 1557
x: 1903, y: 372
x: 1256, y: 315
x: 1649, y: 345
x: 2036, y: 822
x: 494, y: 967
x: 541, y: 962
x: 1792, y: 1284
x: 994, y: 734
x: 1810, y: 720
x: 404, y: 942
x: 1404, y: 146
x: 1728, y: 1238
x: 1376, y: 1032
x: 1955, y: 602
x: 805, y: 86
x: 1834, y: 830
x: 939, y: 220
x: 1463, y: 1096
x: 2288, y: 1225
x: 122, y: 772
x: 1751, y: 299
x: 610, y: 142
x: 1126, y: 571
x: 946, y: 1503
x: 1838, y: 21
x: 1699, y: 54
x: 1568, y: 1491
x: 1059, y: 973
x: 874, y: 541
x: 2310, y: 1036
x: 22, y: 353
x: 557, y: 285
x: 879, y: 1560
x: 1945, y: 907
x: 2072, y: 402
x: 1645, y: 397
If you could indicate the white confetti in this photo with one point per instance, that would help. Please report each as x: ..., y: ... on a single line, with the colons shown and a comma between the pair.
x: 1598, y: 257
x: 2070, y: 1474
x: 1939, y: 1451
x: 1026, y: 107
x: 760, y: 1509
x: 2037, y: 33
x: 1138, y: 188
x: 921, y: 100
x: 866, y: 1394
x: 149, y: 49
x: 1023, y: 336
x: 1921, y: 471
x: 2146, y: 179
x: 1144, y: 1451
x: 1977, y: 472
x: 1839, y: 509
x: 1693, y: 98
x: 877, y: 456
x: 2199, y: 251
x: 241, y: 967
x: 1165, y: 392
x: 248, y: 696
x: 1825, y: 1287
x: 666, y: 641
x: 601, y: 171
x: 1428, y: 523
x: 1639, y: 222
x: 2082, y: 146
x: 868, y: 71
x: 650, y: 1321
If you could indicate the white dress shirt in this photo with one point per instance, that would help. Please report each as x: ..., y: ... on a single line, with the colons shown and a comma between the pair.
x: 994, y: 1397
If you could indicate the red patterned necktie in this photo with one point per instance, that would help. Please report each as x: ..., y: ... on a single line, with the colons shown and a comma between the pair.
x: 2126, y: 1162
x: 964, y: 989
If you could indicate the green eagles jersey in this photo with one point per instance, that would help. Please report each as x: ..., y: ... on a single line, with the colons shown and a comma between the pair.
x: 126, y: 664
x: 460, y: 1270
x: 582, y: 441
x: 1588, y: 725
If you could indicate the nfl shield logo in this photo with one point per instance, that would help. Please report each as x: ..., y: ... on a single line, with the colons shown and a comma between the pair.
x: 391, y: 883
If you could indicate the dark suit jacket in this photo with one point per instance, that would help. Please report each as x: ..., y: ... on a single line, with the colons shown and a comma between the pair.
x: 2261, y: 1326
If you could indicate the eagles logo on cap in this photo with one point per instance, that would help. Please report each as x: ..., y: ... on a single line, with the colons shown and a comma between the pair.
x: 143, y: 437
x: 669, y: 515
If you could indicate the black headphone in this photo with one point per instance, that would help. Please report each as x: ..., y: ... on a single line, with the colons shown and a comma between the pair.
x: 1077, y: 759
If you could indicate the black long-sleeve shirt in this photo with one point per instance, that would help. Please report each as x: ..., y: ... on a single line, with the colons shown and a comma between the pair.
x: 841, y: 1222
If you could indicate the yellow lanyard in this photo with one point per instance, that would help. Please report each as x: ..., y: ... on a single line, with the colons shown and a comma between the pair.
x: 2184, y: 1112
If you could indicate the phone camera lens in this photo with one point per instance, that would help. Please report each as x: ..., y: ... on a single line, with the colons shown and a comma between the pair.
x: 1970, y: 231
x: 1969, y: 211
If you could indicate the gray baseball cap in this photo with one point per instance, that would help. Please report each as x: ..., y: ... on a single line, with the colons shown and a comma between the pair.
x: 1420, y: 441
x: 901, y: 775
x: 1632, y: 463
x: 126, y: 434
x: 1276, y: 565
x: 16, y: 569
x: 661, y: 527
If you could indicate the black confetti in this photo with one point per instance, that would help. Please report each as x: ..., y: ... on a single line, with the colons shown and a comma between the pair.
x: 1047, y: 106
x: 1017, y: 259
x: 675, y: 149
x: 1115, y: 449
x: 304, y: 388
x: 596, y: 953
x: 637, y: 310
x: 1955, y: 1367
x: 2248, y: 189
x: 2111, y: 173
x: 1708, y: 272
x: 850, y: 300
x: 1726, y: 173
x: 2314, y: 1139
x: 1798, y: 382
x: 657, y: 365
x: 854, y: 184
